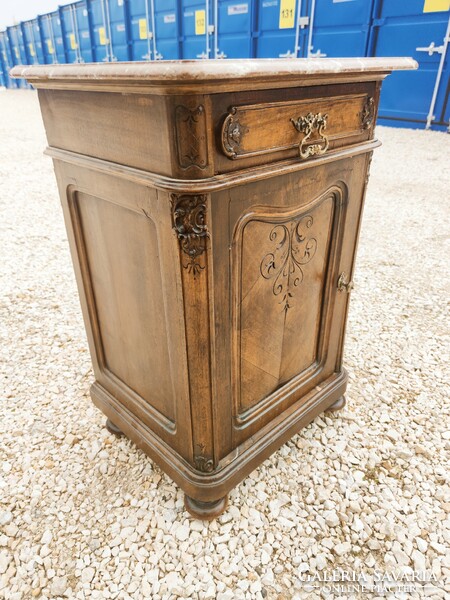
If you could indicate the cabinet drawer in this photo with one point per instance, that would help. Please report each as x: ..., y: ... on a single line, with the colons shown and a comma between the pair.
x: 307, y: 128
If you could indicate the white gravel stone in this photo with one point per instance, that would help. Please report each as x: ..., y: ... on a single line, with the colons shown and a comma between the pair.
x: 343, y: 548
x: 84, y: 515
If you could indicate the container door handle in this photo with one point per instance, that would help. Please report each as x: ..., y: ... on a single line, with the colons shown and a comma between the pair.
x: 431, y: 49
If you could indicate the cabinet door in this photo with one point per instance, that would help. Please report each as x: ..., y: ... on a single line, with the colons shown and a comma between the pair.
x: 293, y: 238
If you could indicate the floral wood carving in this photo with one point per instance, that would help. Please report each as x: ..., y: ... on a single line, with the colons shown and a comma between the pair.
x: 191, y: 137
x: 368, y: 113
x: 232, y: 132
x: 188, y: 216
x: 203, y: 463
x: 284, y: 263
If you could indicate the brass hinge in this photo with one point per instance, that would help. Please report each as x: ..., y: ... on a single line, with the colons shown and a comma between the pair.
x: 343, y: 284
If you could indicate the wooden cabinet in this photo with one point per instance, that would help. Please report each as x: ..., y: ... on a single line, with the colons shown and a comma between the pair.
x: 213, y: 211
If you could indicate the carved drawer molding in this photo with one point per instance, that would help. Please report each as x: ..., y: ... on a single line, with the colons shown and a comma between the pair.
x: 254, y: 130
x: 191, y: 137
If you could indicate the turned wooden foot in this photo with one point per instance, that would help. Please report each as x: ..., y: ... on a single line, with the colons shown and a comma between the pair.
x: 205, y: 510
x: 338, y: 405
x: 113, y: 428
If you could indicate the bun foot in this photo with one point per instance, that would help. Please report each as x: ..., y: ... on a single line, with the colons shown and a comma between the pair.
x: 207, y: 511
x: 338, y: 405
x: 113, y: 429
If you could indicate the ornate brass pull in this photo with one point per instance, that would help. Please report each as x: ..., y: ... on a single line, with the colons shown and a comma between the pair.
x: 307, y: 125
x: 343, y: 284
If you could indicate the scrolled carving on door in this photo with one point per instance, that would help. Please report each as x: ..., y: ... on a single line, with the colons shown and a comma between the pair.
x: 284, y: 263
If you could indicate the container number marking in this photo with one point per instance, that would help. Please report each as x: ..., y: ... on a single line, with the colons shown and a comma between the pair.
x: 142, y: 29
x: 436, y: 6
x: 287, y: 14
x: 73, y: 42
x: 102, y: 36
x: 200, y: 22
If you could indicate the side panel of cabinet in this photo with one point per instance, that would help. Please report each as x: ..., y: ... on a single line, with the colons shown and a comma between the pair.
x: 124, y: 253
x: 280, y: 318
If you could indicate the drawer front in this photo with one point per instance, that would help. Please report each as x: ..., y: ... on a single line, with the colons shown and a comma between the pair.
x: 309, y: 128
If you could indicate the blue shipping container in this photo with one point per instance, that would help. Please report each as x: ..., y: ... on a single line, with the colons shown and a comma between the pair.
x: 109, y: 30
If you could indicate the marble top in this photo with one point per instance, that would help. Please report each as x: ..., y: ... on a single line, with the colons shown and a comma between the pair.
x: 207, y: 72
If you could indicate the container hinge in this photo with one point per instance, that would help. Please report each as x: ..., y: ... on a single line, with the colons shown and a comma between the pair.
x: 303, y: 22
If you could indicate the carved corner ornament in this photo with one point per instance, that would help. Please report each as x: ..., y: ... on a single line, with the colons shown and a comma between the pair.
x: 232, y: 132
x: 189, y: 222
x: 203, y: 463
x: 308, y: 124
x: 368, y: 113
x: 190, y: 126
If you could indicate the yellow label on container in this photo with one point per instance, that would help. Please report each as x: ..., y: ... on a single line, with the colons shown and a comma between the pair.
x: 102, y: 36
x: 436, y: 5
x: 32, y: 52
x: 73, y: 42
x: 200, y: 22
x: 49, y: 46
x: 287, y: 14
x: 142, y: 29
x: 17, y: 53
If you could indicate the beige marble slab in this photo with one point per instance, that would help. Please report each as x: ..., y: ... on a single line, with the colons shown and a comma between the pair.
x: 212, y: 75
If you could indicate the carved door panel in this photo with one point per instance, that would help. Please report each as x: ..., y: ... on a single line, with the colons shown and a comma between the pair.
x: 284, y: 267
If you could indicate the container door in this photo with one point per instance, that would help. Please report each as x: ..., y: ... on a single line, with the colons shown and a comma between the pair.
x: 167, y: 37
x: 6, y: 61
x: 196, y: 19
x: 416, y: 28
x: 18, y: 53
x: 84, y: 35
x: 70, y: 33
x: 56, y: 34
x: 101, y: 43
x: 339, y: 27
x: 277, y: 33
x: 233, y: 29
x: 32, y: 40
x: 141, y: 30
x: 48, y: 39
x: 116, y: 18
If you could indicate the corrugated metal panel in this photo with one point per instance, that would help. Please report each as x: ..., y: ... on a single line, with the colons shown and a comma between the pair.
x: 233, y: 21
x: 340, y: 28
x: 405, y: 29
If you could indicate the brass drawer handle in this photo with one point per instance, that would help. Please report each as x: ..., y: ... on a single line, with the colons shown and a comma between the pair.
x: 307, y: 125
x: 343, y: 284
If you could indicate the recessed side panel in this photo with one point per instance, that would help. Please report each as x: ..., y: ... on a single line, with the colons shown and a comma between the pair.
x: 120, y: 250
x: 283, y: 264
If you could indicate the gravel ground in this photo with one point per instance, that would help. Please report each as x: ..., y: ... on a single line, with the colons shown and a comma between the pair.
x: 83, y: 515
